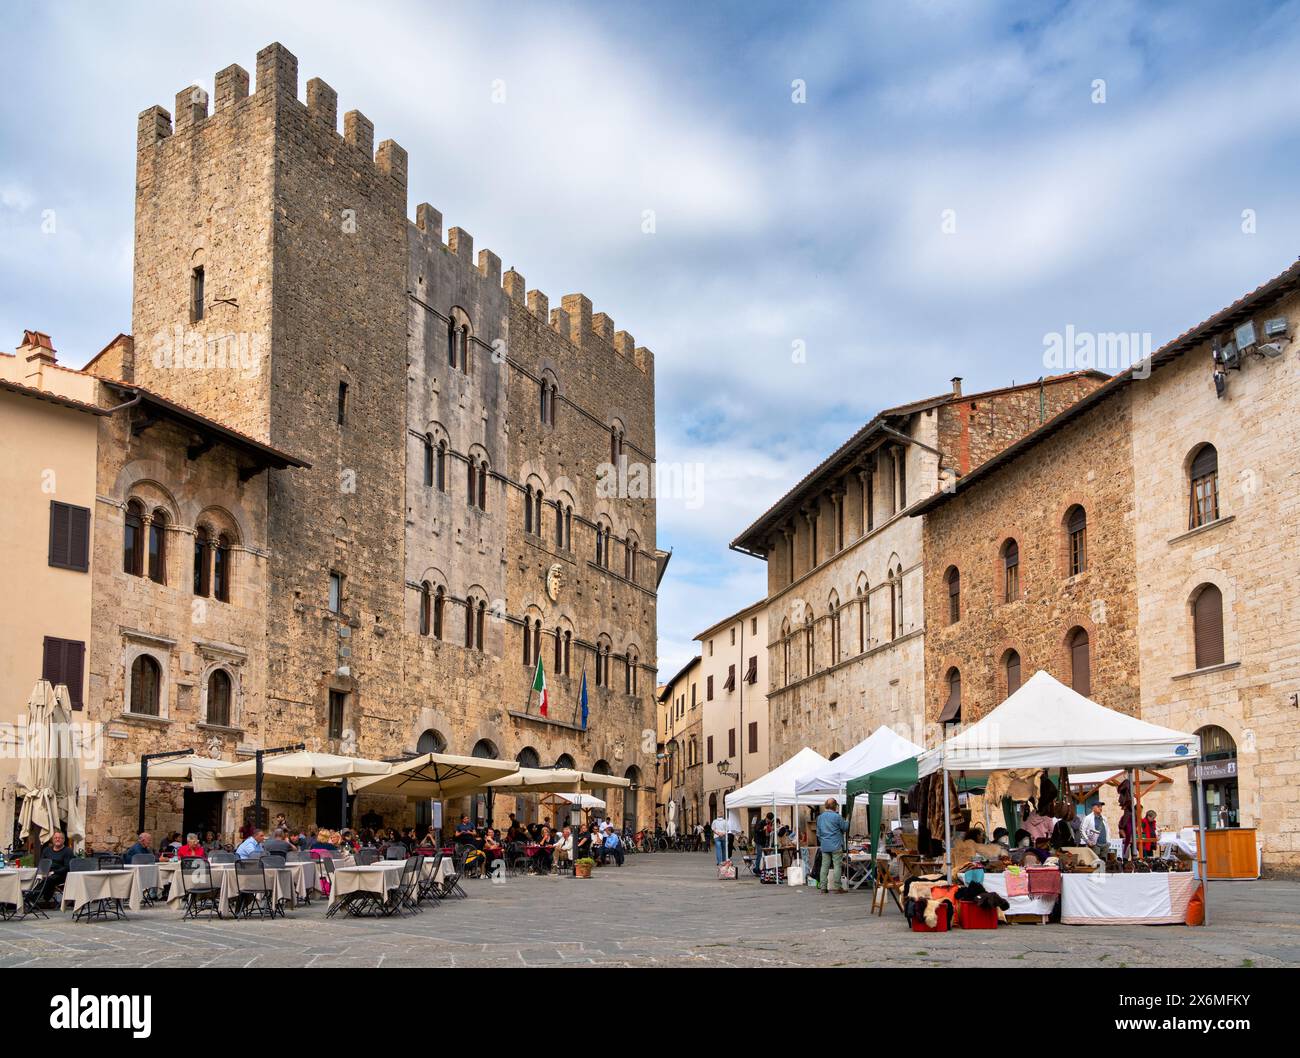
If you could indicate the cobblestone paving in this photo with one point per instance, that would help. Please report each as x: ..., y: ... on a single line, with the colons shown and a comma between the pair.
x: 664, y: 909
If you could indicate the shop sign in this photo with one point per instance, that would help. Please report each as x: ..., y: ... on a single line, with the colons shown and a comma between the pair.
x: 1215, y: 769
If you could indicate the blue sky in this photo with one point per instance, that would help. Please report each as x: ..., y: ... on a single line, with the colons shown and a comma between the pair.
x: 776, y: 222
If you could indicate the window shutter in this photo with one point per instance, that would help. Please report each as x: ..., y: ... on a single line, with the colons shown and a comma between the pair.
x: 731, y: 742
x: 69, y: 536
x: 1013, y: 673
x: 1080, y: 668
x: 1206, y: 462
x: 1207, y: 619
x: 753, y: 737
x: 64, y: 661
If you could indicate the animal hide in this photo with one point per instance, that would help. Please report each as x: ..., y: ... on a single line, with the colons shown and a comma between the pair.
x: 963, y: 851
x: 1020, y: 784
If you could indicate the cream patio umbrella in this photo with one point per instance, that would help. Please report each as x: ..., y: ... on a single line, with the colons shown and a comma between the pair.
x: 435, y: 777
x: 67, y: 769
x: 554, y: 780
x: 301, y: 767
x: 36, y: 770
x: 180, y: 766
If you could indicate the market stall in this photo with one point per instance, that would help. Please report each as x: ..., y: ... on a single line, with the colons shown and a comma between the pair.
x: 1045, y: 725
x: 778, y: 789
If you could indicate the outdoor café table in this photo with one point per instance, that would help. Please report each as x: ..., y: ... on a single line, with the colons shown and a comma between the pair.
x: 280, y: 879
x: 82, y: 887
x: 148, y: 873
x: 12, y: 883
x: 377, y: 878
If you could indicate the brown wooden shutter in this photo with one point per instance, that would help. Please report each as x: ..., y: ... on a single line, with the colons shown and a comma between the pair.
x: 64, y: 661
x: 951, y: 712
x: 709, y: 746
x: 1013, y: 673
x: 69, y: 536
x: 753, y: 736
x: 1207, y: 622
x: 1080, y: 666
x: 731, y: 742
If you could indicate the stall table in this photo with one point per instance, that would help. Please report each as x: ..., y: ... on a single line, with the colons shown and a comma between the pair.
x: 1155, y: 899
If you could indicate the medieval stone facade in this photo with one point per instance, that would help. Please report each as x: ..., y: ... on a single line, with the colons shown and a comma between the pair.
x: 846, y: 616
x: 1152, y: 527
x: 455, y: 515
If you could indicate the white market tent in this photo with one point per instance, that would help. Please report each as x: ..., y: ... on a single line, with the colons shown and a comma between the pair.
x: 777, y: 787
x: 1045, y: 724
x: 880, y: 749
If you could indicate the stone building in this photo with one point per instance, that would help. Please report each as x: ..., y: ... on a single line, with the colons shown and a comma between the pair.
x: 681, y: 750
x: 1155, y: 525
x: 845, y: 609
x: 734, y: 660
x: 471, y: 489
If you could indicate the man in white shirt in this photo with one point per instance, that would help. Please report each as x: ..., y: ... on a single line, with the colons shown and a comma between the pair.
x: 719, y: 827
x: 1094, y: 832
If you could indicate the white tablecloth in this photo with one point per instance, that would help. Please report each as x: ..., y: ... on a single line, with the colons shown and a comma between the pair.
x: 996, y: 882
x: 1123, y: 899
x: 148, y: 873
x: 286, y: 884
x: 377, y: 878
x: 79, y: 887
x: 12, y: 883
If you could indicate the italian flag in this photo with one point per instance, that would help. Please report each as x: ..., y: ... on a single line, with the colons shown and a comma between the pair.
x: 539, y: 685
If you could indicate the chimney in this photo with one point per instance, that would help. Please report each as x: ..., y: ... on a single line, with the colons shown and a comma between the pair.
x: 37, y: 350
x: 956, y: 386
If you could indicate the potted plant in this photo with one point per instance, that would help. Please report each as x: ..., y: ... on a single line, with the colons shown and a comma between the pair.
x: 582, y: 868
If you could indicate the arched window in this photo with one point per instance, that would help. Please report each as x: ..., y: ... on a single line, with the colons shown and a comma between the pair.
x: 469, y: 624
x: 428, y: 462
x: 528, y: 508
x: 1207, y: 625
x: 564, y: 761
x: 471, y: 478
x: 538, y: 502
x: 482, y: 485
x: 158, y: 547
x: 528, y: 758
x: 426, y: 609
x: 479, y: 623
x: 1011, y: 670
x: 555, y: 395
x: 559, y: 526
x: 833, y: 615
x: 133, y: 540
x: 146, y: 686
x: 439, y: 598
x: 221, y: 569
x: 219, y: 695
x: 545, y: 389
x: 451, y: 343
x: 953, y: 580
x: 1010, y: 571
x: 464, y: 347
x: 1076, y: 536
x: 558, y: 667
x: 896, y: 602
x: 864, y: 616
x: 202, y: 567
x: 1080, y: 663
x: 951, y: 711
x: 1204, y: 498
x: 809, y: 648
x: 431, y: 742
x: 568, y: 528
x: 441, y: 467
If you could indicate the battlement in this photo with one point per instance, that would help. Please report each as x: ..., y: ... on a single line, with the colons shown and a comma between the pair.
x: 575, y: 320
x: 277, y: 87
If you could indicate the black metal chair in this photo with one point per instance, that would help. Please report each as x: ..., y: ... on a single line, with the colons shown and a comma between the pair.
x: 516, y: 859
x: 451, y: 884
x: 83, y: 863
x: 35, y: 891
x: 365, y: 857
x: 221, y: 857
x: 274, y: 859
x: 255, y: 894
x: 428, y: 887
x: 199, y: 890
x: 396, y: 851
x: 150, y: 894
x: 109, y: 862
x: 404, y: 896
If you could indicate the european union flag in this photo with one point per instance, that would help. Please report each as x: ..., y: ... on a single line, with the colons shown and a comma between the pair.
x: 584, y: 699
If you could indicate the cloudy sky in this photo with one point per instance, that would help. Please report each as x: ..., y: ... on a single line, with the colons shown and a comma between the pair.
x: 905, y: 190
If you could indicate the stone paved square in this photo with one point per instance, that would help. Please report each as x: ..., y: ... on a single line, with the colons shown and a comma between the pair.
x: 663, y: 909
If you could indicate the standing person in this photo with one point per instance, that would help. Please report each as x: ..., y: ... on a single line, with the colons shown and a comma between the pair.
x: 831, y: 828
x: 1148, y: 834
x: 1094, y: 832
x: 719, y: 828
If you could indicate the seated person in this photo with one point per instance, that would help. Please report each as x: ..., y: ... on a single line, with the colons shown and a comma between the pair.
x: 545, y: 850
x: 563, y: 846
x: 191, y: 848
x: 324, y: 842
x: 143, y: 844
x: 465, y: 832
x: 612, y: 845
x: 278, y: 842
x: 251, y: 847
x: 60, y: 857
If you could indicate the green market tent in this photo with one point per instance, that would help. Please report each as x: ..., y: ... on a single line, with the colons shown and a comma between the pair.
x: 898, y: 776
